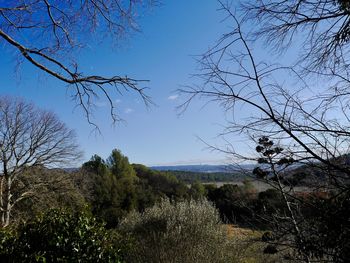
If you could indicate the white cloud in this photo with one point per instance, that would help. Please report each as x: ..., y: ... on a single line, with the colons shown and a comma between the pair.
x: 101, y: 104
x: 173, y: 97
x: 128, y: 110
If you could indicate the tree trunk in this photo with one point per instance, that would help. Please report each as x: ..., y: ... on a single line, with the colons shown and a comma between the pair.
x: 6, y: 205
x: 291, y: 213
x: 2, y: 208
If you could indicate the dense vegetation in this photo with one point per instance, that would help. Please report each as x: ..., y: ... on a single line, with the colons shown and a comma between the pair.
x: 113, y: 211
x: 59, y: 236
x: 190, y: 177
x: 185, y: 231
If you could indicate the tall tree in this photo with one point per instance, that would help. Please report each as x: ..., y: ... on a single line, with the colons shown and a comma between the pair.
x: 120, y: 166
x: 126, y: 178
x: 29, y: 137
x: 113, y: 187
x: 48, y: 34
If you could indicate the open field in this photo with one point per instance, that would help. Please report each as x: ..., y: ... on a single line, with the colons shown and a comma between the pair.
x: 259, y: 185
x: 248, y: 245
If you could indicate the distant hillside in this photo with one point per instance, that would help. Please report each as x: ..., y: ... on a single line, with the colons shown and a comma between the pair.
x: 206, y: 173
x: 205, y: 168
x: 190, y: 177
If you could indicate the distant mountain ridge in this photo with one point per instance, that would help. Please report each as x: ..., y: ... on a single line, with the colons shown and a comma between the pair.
x: 204, y: 168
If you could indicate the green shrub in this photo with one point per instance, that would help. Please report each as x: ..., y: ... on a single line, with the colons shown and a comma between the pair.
x: 59, y: 236
x: 186, y: 231
x: 7, y: 241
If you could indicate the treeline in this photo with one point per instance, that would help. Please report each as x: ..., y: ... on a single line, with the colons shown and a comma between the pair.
x: 190, y: 177
x: 116, y: 187
x: 241, y: 204
x: 113, y: 211
x: 72, y: 216
x: 112, y: 188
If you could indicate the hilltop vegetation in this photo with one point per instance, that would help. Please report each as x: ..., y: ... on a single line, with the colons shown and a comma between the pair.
x: 204, y: 177
x: 130, y: 211
x: 136, y: 214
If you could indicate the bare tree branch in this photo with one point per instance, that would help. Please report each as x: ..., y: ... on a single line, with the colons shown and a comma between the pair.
x: 47, y: 34
x: 29, y: 137
x: 323, y: 27
x: 274, y: 103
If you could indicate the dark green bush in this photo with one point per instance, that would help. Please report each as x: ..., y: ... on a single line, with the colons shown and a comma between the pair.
x: 59, y: 236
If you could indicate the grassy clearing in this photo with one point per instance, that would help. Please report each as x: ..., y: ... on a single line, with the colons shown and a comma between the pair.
x: 248, y: 246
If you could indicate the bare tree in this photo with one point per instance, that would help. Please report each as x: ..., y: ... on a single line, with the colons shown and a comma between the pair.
x: 49, y: 33
x: 29, y: 137
x: 321, y: 29
x: 274, y: 101
x: 46, y: 189
x: 283, y: 109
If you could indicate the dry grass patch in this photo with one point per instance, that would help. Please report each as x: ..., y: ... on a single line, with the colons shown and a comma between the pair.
x: 248, y: 246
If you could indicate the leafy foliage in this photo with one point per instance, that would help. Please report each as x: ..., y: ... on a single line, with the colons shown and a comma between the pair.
x: 198, y: 190
x: 113, y: 192
x: 59, y: 236
x: 185, y: 231
x: 327, y: 228
x: 159, y: 184
x: 117, y: 187
x: 235, y: 203
x: 190, y: 177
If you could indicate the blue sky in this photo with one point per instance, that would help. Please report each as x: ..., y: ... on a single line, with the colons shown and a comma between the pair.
x: 162, y: 53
